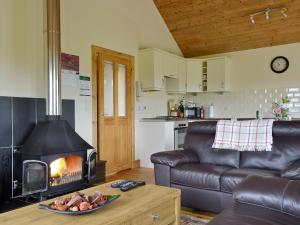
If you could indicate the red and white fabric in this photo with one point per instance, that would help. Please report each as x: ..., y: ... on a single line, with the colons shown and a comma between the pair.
x: 247, y: 135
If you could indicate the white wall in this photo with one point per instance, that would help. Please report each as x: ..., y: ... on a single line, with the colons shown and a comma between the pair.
x: 253, y: 84
x: 123, y: 26
x: 21, y: 48
x: 251, y: 68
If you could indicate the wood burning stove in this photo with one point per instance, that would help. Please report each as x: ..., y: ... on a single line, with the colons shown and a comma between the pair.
x: 56, y: 174
x: 54, y: 159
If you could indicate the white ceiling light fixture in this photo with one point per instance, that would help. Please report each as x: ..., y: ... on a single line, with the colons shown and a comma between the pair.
x: 284, y: 12
x: 252, y: 19
x: 267, y: 13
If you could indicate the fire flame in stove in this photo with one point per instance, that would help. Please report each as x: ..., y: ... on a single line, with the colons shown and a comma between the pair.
x: 65, y: 170
x: 58, y: 167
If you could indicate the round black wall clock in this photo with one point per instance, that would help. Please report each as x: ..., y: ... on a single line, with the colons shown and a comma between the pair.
x: 279, y: 64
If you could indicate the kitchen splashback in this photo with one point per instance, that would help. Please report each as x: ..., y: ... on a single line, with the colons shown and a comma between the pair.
x: 245, y: 103
x: 152, y: 104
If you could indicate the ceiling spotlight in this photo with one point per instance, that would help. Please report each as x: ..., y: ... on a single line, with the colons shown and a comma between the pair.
x: 284, y: 12
x: 267, y: 14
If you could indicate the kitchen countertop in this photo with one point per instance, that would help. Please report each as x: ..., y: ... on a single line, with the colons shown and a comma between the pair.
x: 174, y: 119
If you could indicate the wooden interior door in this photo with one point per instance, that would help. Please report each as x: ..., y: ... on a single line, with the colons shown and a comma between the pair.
x: 114, y: 100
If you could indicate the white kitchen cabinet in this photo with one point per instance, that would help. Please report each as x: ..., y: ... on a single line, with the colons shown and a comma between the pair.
x: 178, y: 85
x: 151, y: 72
x: 218, y: 74
x: 170, y: 65
x: 194, y: 75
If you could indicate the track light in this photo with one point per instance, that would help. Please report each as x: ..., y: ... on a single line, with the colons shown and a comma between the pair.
x: 284, y: 12
x: 267, y: 12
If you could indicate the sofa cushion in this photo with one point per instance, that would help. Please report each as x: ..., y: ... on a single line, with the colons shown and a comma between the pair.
x: 261, y: 191
x: 285, y: 150
x: 270, y: 192
x: 244, y: 214
x: 291, y: 199
x: 231, y: 178
x: 292, y: 171
x: 200, y: 137
x: 204, y: 176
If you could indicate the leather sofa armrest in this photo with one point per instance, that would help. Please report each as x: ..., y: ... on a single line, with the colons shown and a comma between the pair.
x: 271, y: 192
x: 174, y: 158
x: 292, y: 171
x: 263, y: 191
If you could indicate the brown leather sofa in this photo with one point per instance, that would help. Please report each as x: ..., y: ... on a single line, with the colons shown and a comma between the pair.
x: 263, y: 201
x: 208, y: 177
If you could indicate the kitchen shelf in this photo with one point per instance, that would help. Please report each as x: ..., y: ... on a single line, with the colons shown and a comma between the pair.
x: 204, y: 76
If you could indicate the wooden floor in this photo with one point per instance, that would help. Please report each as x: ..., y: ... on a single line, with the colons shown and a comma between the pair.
x: 147, y: 175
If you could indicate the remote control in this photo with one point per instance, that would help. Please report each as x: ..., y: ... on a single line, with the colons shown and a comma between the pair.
x: 118, y: 183
x: 132, y: 184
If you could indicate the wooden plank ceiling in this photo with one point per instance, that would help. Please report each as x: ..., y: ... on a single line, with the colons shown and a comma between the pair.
x: 203, y: 27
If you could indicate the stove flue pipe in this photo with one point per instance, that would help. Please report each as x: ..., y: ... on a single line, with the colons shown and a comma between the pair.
x: 53, y: 57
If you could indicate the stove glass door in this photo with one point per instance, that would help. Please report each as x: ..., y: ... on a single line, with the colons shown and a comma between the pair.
x: 35, y: 177
x: 91, y: 162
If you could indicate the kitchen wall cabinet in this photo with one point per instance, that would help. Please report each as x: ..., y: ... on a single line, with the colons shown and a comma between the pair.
x: 194, y: 75
x: 178, y: 85
x: 217, y: 74
x: 170, y: 65
x: 151, y: 72
x: 163, y: 71
x: 155, y: 66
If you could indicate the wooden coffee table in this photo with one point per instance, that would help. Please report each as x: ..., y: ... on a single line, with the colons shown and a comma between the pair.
x: 149, y: 204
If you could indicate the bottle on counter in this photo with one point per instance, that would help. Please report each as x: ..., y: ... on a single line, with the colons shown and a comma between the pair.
x: 197, y: 112
x: 181, y: 110
x: 202, y: 112
x: 173, y: 112
x: 258, y: 115
x: 186, y: 111
x: 211, y: 111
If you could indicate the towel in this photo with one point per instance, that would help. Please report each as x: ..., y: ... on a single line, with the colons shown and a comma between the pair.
x: 247, y: 135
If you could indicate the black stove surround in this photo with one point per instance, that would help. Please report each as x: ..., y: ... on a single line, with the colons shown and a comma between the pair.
x: 52, y: 136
